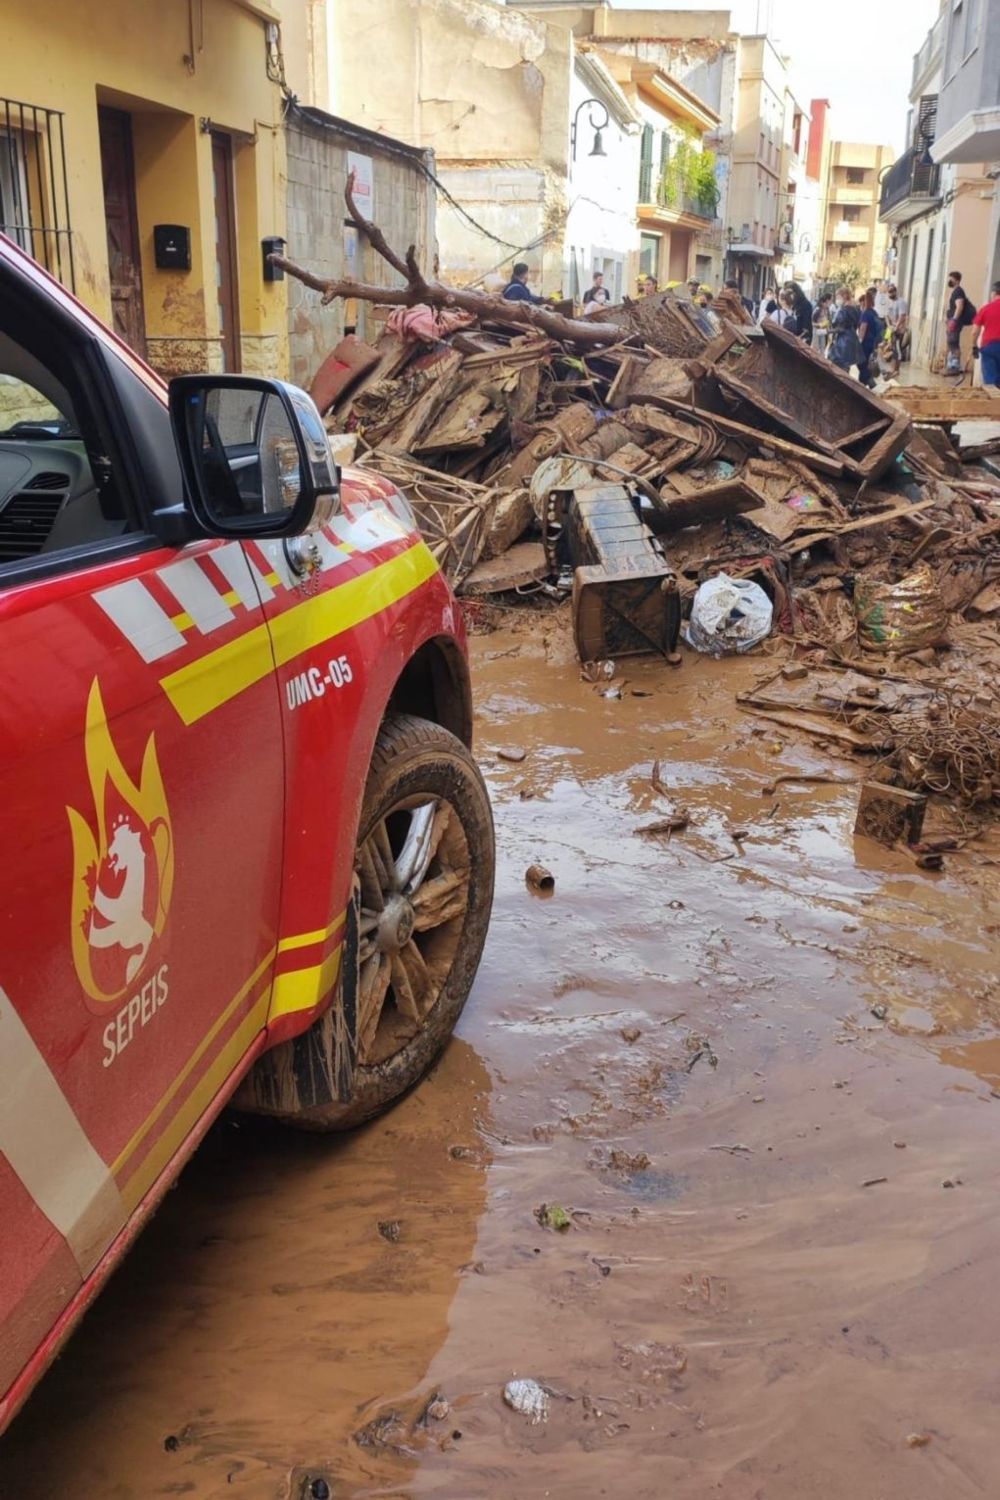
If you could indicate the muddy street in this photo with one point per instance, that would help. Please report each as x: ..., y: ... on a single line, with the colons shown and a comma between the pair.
x: 754, y: 1062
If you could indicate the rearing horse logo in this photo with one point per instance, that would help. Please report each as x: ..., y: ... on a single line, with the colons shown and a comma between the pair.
x: 123, y: 868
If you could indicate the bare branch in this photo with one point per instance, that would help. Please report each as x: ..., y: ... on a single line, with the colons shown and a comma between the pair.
x: 591, y: 333
x: 364, y: 291
x: 371, y: 231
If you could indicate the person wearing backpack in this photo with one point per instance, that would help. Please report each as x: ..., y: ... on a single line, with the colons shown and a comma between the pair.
x: 959, y: 315
x: 845, y: 350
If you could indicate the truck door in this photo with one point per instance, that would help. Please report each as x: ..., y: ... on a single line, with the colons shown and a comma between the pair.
x: 142, y: 773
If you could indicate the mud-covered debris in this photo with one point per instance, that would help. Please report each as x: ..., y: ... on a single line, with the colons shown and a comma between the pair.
x: 391, y: 1230
x: 538, y: 878
x: 918, y: 1439
x: 438, y: 1410
x: 553, y: 1216
x: 597, y: 671
x: 880, y: 1011
x: 676, y: 822
x: 529, y: 1398
x: 874, y: 1181
x: 699, y: 1047
x: 890, y: 814
x: 630, y: 1034
x: 465, y: 1153
x: 627, y: 1163
x: 511, y: 752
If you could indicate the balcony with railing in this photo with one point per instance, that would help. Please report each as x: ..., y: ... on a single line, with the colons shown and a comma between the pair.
x: 682, y: 183
x: 911, y: 186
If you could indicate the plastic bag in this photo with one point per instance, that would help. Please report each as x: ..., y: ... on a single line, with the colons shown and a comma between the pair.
x: 728, y: 614
x: 903, y: 616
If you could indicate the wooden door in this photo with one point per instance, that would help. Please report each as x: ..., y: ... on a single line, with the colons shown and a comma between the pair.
x: 124, y: 264
x: 225, y: 250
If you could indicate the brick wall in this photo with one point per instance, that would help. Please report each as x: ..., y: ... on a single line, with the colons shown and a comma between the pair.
x: 404, y: 210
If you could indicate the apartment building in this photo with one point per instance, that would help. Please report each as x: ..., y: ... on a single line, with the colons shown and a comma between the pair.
x: 854, y: 240
x: 938, y: 215
x: 968, y: 117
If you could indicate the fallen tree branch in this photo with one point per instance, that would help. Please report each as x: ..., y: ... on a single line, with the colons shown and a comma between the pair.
x: 488, y: 309
x: 371, y: 231
x: 419, y: 290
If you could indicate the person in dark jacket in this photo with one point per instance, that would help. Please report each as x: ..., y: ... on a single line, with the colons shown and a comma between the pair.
x: 868, y: 335
x: 516, y: 289
x: 845, y: 349
x: 803, y: 310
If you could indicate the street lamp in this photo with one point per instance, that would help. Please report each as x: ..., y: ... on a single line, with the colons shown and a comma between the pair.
x: 596, y: 126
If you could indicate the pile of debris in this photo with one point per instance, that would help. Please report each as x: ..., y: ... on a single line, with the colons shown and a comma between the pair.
x: 628, y: 458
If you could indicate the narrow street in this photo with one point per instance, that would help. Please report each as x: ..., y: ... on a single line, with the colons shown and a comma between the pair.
x: 757, y: 1074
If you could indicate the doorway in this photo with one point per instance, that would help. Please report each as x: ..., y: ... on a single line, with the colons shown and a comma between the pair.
x: 124, y: 264
x: 225, y: 250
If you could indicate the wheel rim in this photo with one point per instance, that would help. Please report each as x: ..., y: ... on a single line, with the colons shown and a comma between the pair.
x: 413, y: 869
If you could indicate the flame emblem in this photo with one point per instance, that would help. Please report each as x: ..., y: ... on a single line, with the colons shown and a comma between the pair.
x: 123, y: 875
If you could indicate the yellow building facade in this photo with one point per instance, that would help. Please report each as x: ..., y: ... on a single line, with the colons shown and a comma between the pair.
x: 142, y: 160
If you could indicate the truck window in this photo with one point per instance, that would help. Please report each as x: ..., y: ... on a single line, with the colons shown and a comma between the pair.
x: 56, y: 490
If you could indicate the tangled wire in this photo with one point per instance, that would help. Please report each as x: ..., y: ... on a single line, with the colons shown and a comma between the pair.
x: 950, y: 746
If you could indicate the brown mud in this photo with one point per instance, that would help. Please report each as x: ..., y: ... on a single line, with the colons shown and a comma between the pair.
x: 755, y: 1061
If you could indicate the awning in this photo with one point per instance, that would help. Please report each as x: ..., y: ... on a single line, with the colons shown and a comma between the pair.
x: 750, y: 249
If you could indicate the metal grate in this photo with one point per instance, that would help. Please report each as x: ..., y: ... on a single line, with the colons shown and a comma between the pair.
x: 34, y: 196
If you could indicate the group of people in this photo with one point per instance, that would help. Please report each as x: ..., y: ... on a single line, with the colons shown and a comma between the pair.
x: 870, y: 332
x: 849, y: 332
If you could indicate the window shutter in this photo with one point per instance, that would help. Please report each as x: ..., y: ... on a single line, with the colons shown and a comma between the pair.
x: 646, y: 165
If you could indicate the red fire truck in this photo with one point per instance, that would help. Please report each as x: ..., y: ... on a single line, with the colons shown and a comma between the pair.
x: 248, y: 856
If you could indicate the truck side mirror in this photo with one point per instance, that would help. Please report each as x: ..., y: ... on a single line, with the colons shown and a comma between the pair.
x: 255, y: 456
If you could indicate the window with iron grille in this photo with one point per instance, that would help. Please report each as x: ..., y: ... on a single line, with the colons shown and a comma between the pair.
x: 34, y: 199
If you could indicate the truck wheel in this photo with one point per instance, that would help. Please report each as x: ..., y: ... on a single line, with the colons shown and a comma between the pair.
x: 424, y: 866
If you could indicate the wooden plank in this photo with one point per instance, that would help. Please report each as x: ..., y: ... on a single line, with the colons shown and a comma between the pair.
x: 863, y: 432
x: 861, y: 525
x: 521, y: 564
x: 716, y: 502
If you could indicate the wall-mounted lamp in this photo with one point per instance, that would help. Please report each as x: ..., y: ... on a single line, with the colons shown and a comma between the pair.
x: 597, y: 126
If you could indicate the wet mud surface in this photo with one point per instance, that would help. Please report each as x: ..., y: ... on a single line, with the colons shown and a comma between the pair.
x: 759, y: 1074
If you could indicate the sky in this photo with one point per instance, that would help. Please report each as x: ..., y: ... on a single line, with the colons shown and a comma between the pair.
x: 856, y: 53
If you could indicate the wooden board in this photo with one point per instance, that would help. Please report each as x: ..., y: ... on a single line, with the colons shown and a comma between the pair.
x: 523, y: 563
x: 966, y: 403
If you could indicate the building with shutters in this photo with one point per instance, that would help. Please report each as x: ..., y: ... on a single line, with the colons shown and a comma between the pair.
x: 937, y: 212
x: 968, y: 122
x: 142, y: 161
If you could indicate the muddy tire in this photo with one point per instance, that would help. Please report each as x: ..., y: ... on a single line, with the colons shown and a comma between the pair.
x: 424, y: 868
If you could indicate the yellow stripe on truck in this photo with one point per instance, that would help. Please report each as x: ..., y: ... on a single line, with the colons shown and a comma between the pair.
x: 303, y: 989
x: 220, y: 675
x: 309, y: 939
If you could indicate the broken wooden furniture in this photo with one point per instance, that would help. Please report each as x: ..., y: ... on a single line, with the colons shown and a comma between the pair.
x: 625, y: 599
x: 764, y: 380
